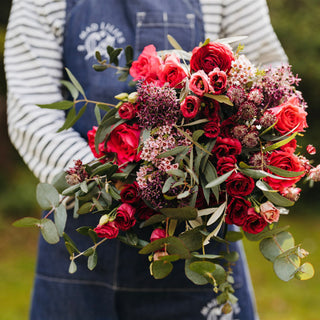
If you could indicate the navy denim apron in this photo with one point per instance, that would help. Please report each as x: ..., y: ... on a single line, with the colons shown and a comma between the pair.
x: 120, y: 287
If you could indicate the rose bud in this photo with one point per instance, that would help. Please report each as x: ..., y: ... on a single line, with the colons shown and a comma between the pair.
x: 127, y: 111
x: 108, y: 230
x: 269, y: 212
x: 157, y: 234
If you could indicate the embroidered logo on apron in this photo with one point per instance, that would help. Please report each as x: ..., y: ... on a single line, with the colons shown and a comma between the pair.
x: 96, y: 37
x: 213, y: 311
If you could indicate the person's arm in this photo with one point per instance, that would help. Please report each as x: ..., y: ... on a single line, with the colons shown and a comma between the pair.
x: 228, y: 18
x: 251, y: 18
x: 33, y: 65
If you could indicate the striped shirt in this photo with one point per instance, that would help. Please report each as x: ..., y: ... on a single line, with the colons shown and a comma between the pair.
x: 33, y: 65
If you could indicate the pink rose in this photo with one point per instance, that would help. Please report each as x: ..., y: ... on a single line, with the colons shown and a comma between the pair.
x: 127, y: 111
x: 147, y: 66
x: 190, y: 107
x: 157, y: 234
x: 269, y: 212
x: 124, y: 142
x: 172, y: 72
x: 290, y: 116
x: 199, y: 83
x: 218, y: 81
x: 108, y: 230
x: 211, y: 56
x: 125, y: 217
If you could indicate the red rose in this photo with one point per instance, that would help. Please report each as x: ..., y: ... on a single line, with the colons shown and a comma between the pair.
x: 124, y: 142
x: 226, y: 147
x: 190, y: 106
x: 254, y: 222
x: 108, y: 230
x: 91, y: 137
x: 125, y: 217
x: 218, y: 81
x: 212, y: 128
x: 290, y: 116
x: 286, y: 161
x: 144, y: 212
x: 237, y: 210
x: 239, y: 185
x: 172, y: 72
x: 157, y: 234
x: 199, y: 83
x: 127, y: 111
x: 213, y: 55
x: 225, y: 164
x: 210, y: 108
x: 147, y: 66
x: 290, y: 146
x: 130, y: 194
x: 226, y: 128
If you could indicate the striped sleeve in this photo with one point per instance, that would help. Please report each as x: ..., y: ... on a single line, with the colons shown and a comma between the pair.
x: 33, y: 65
x: 227, y: 18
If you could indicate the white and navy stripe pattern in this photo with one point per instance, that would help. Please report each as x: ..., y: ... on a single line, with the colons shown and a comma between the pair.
x: 33, y: 63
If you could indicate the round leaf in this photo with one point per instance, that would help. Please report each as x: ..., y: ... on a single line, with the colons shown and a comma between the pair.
x: 195, y: 277
x: 26, y: 222
x: 269, y: 247
x: 202, y: 267
x: 161, y: 269
x: 92, y: 260
x: 47, y: 196
x: 305, y: 272
x: 285, y: 267
x: 60, y: 218
x: 49, y: 231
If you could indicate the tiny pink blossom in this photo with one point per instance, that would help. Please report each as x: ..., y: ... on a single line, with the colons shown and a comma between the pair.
x: 291, y: 193
x: 314, y: 173
x: 311, y: 149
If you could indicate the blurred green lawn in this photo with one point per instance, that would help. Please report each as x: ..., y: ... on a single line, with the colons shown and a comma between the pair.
x: 295, y: 300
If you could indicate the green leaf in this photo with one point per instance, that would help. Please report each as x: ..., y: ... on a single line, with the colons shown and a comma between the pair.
x: 97, y: 114
x: 72, y: 267
x: 47, y: 196
x: 153, y: 246
x: 197, y: 134
x: 171, y: 258
x: 219, y: 180
x: 85, y: 208
x: 277, y: 244
x: 219, y: 274
x: 177, y: 173
x: 266, y: 233
x: 71, y: 190
x: 99, y: 67
x: 217, y: 214
x: 192, y: 239
x: 92, y: 260
x: 220, y: 98
x: 128, y: 51
x: 176, y: 246
x: 280, y: 143
x: 184, y: 213
x: 286, y: 267
x: 73, y: 117
x: 59, y: 182
x: 84, y: 186
x: 193, y: 276
x: 75, y: 82
x: 107, y: 169
x: 232, y: 256
x: 71, y: 243
x: 60, y: 218
x: 26, y: 222
x: 153, y: 220
x: 233, y: 236
x: 161, y: 269
x: 174, y: 42
x: 88, y: 252
x: 202, y: 267
x: 60, y: 105
x: 305, y: 272
x: 173, y: 152
x: 285, y: 173
x: 207, y: 256
x: 49, y: 231
x: 72, y: 89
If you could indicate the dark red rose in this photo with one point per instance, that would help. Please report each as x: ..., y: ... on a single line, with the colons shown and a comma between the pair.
x: 218, y: 81
x: 227, y: 127
x: 157, y: 234
x: 127, y: 111
x: 190, y: 107
x: 286, y: 161
x: 226, y: 147
x: 125, y: 217
x: 210, y: 108
x: 237, y: 211
x: 211, y: 56
x: 239, y: 185
x: 254, y: 222
x: 130, y: 193
x: 226, y: 164
x: 144, y: 212
x: 108, y: 230
x: 124, y: 142
x: 212, y: 128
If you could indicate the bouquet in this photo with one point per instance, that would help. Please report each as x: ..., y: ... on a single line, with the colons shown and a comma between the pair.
x: 206, y: 140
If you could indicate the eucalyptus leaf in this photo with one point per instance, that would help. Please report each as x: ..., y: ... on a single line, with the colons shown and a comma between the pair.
x: 286, y: 267
x: 60, y: 218
x: 233, y: 236
x: 305, y: 272
x: 193, y: 276
x: 49, y: 231
x: 184, y: 213
x: 92, y: 260
x: 192, y: 239
x: 26, y: 222
x: 161, y: 269
x: 153, y: 220
x: 59, y: 182
x: 72, y: 267
x: 47, y: 196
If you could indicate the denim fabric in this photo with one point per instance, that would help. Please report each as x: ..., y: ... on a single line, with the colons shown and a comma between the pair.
x: 120, y: 287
